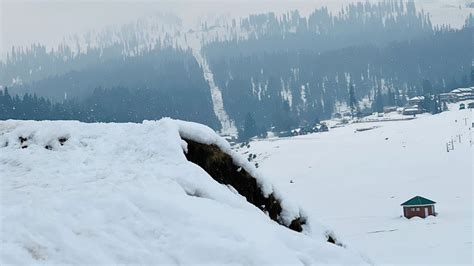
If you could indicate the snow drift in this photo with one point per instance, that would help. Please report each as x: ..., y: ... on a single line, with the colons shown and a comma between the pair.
x: 126, y: 193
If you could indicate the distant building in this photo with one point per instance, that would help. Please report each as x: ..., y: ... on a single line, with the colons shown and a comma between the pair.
x: 463, y: 94
x: 413, y: 106
x: 418, y: 206
x: 416, y: 100
x: 412, y: 110
x: 448, y: 97
x: 456, y: 95
x: 470, y: 106
x: 462, y: 106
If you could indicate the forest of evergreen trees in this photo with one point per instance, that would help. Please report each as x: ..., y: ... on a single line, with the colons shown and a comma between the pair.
x: 282, y: 71
x: 294, y: 69
x: 156, y: 83
x: 126, y: 76
x: 107, y: 105
x: 357, y: 24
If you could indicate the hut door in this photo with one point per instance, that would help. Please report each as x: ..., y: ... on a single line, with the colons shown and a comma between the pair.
x: 426, y: 211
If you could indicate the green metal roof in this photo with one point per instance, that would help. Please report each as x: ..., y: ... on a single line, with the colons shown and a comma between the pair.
x: 417, y: 201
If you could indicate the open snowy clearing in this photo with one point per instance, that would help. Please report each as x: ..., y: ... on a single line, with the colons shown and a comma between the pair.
x: 355, y: 181
x: 125, y: 193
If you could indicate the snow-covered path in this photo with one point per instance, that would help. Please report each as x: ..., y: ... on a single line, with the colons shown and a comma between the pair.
x: 356, y: 182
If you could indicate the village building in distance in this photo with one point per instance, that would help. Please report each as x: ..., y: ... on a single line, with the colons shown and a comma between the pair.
x: 413, y: 106
x: 418, y: 206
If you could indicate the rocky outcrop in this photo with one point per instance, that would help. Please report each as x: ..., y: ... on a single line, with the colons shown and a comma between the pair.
x: 221, y: 167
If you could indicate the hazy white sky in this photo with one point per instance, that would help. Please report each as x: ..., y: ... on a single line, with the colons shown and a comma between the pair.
x: 47, y: 21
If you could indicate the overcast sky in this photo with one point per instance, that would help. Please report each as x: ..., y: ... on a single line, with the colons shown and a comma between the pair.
x: 47, y: 22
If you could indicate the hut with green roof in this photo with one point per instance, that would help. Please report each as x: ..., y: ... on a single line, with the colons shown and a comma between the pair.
x: 418, y: 206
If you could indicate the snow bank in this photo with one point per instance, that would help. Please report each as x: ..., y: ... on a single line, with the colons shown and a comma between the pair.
x: 124, y: 193
x: 206, y: 135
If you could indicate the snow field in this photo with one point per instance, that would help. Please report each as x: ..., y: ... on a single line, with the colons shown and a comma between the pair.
x: 125, y: 193
x: 356, y: 181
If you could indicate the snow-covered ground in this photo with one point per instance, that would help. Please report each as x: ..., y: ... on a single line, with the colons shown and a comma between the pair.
x: 356, y: 180
x: 125, y: 193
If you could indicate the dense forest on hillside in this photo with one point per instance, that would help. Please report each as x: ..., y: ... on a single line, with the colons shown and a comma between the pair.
x: 356, y: 24
x: 310, y: 64
x: 157, y: 83
x: 108, y: 105
x: 24, y: 65
x: 285, y: 70
x: 163, y: 69
x: 311, y: 83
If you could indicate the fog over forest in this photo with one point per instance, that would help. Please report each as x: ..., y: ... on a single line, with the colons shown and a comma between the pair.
x: 236, y: 132
x: 287, y: 68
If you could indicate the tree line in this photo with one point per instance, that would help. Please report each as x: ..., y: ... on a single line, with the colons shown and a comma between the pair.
x: 106, y: 105
x: 293, y: 85
x: 286, y: 71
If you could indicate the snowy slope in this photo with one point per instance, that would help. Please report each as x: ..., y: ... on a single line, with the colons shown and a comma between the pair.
x: 125, y: 193
x: 356, y: 181
x: 227, y: 125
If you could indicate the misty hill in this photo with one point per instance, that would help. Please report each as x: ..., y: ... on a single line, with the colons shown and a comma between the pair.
x: 355, y: 24
x: 24, y: 65
x: 287, y: 70
x: 311, y: 83
x: 157, y: 83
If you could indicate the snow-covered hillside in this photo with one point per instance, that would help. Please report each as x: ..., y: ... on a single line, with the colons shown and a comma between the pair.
x: 125, y: 193
x: 356, y: 180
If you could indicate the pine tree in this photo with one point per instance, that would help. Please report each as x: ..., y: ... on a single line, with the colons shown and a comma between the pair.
x: 436, y: 105
x: 250, y: 127
x: 391, y: 98
x: 445, y: 107
x: 427, y: 87
x: 352, y: 100
x: 377, y: 105
x: 6, y: 105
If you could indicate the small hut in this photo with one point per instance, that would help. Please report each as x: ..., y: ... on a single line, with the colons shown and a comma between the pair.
x: 418, y: 206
